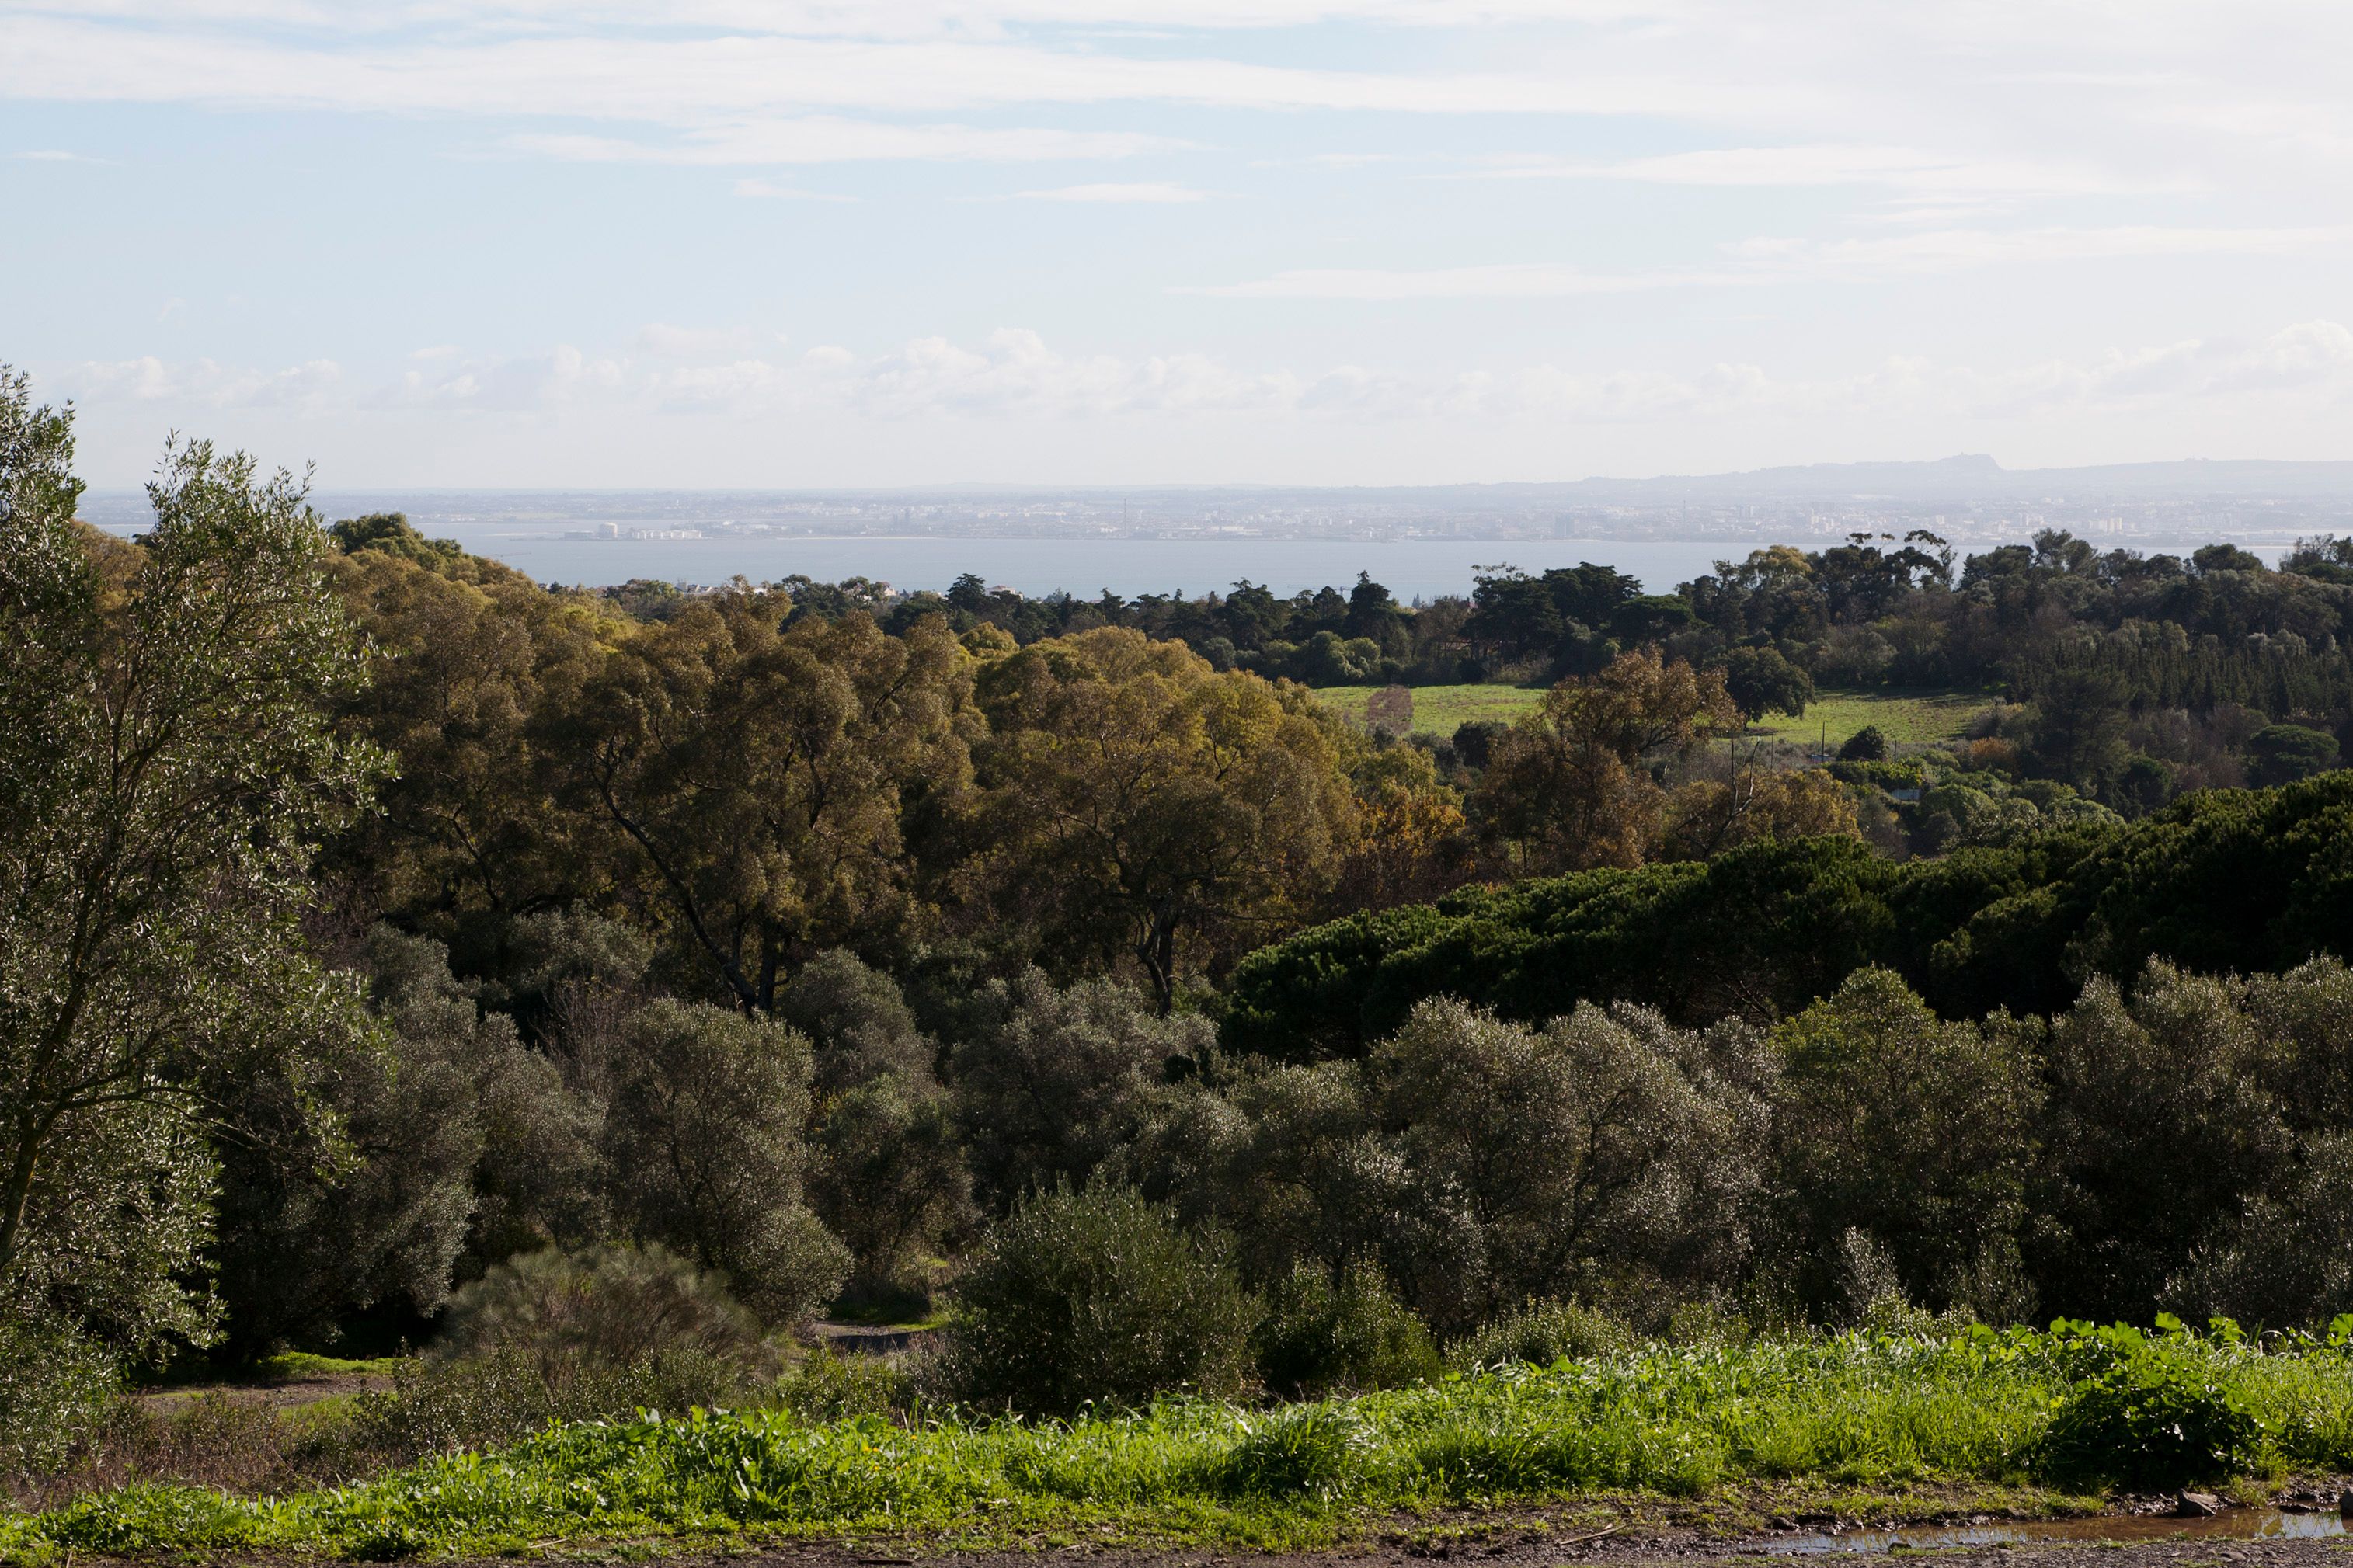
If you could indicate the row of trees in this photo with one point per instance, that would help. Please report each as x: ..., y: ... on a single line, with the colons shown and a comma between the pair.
x: 2243, y: 881
x: 2132, y: 674
x: 754, y: 782
x: 2181, y: 1144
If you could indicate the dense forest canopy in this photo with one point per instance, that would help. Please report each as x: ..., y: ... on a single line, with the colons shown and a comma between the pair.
x: 375, y: 921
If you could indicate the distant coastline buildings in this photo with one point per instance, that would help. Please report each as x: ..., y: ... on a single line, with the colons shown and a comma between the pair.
x: 613, y: 531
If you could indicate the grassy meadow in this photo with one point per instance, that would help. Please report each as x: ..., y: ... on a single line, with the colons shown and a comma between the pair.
x: 2015, y: 1418
x: 1440, y: 710
x: 1907, y: 716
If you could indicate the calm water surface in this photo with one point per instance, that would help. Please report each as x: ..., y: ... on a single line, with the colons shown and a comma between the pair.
x: 1086, y: 567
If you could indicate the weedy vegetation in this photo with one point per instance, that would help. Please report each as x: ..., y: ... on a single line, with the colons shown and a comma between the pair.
x: 2075, y: 1407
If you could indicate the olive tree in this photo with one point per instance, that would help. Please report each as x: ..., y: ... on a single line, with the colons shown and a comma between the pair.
x: 167, y: 770
x: 1914, y: 1134
x: 704, y: 1137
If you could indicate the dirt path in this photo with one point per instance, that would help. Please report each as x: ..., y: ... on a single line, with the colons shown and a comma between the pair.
x: 277, y: 1394
x: 2248, y: 1537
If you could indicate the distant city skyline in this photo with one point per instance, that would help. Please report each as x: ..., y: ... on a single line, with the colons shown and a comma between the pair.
x: 806, y: 244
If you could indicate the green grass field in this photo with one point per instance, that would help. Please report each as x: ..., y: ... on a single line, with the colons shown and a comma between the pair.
x: 1913, y: 717
x: 1907, y: 716
x: 2034, y: 1419
x: 1440, y: 710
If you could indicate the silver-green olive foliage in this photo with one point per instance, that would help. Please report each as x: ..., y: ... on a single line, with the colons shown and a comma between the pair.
x: 167, y: 770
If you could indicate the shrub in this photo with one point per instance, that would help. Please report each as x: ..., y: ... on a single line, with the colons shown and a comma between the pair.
x: 569, y: 1336
x: 857, y: 1020
x: 568, y: 1315
x: 1532, y: 1162
x: 1051, y: 1085
x: 831, y: 1386
x: 1096, y: 1295
x: 1327, y: 1328
x: 483, y: 1401
x: 1906, y: 775
x: 2146, y: 1412
x: 2284, y: 1263
x: 1867, y: 744
x: 892, y: 1184
x: 316, y: 1224
x: 1541, y: 1333
x: 56, y: 1389
x: 1913, y: 1132
x: 1307, y: 1450
x: 2161, y: 1127
x: 704, y: 1137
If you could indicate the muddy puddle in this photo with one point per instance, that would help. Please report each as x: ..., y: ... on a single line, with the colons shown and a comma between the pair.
x: 2231, y: 1524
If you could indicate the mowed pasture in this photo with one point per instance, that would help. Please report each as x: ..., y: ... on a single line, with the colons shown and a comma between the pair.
x: 1910, y: 716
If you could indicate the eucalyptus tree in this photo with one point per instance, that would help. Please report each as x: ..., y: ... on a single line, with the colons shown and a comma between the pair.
x: 1142, y: 801
x: 754, y: 783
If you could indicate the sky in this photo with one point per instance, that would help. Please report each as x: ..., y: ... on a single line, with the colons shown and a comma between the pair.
x: 819, y: 243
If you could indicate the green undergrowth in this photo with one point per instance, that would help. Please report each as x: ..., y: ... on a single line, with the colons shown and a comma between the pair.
x: 1861, y: 1414
x: 294, y: 1364
x: 197, y: 1375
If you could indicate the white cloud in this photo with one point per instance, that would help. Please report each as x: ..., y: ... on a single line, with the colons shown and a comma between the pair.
x: 855, y: 19
x: 55, y: 155
x: 1016, y: 375
x: 1946, y: 249
x: 699, y: 81
x: 1150, y: 193
x: 1771, y: 259
x: 201, y: 384
x: 1919, y: 174
x: 529, y: 384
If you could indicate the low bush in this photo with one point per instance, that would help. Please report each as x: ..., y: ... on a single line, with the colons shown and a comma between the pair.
x: 2146, y: 1411
x: 570, y: 1336
x: 57, y: 1388
x: 1096, y: 1296
x: 483, y: 1401
x: 1906, y: 775
x: 1325, y: 1330
x: 1539, y: 1334
x: 567, y: 1314
x: 213, y: 1441
x: 831, y: 1386
x: 1305, y: 1451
